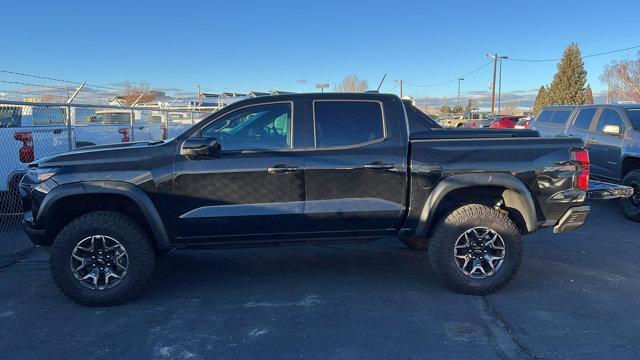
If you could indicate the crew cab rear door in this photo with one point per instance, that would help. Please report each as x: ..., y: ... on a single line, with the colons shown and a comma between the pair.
x: 355, y: 177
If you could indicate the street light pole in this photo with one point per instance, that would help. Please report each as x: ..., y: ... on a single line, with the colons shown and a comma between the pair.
x: 459, y: 80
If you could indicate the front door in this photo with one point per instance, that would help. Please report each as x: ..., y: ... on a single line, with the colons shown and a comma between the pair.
x: 253, y: 187
x: 355, y: 177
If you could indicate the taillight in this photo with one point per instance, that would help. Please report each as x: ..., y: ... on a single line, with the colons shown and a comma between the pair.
x: 26, y: 153
x: 473, y: 124
x: 582, y: 158
x: 125, y: 134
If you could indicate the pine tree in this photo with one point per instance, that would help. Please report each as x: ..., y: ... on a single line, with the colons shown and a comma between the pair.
x: 542, y: 99
x: 568, y: 86
x: 588, y: 95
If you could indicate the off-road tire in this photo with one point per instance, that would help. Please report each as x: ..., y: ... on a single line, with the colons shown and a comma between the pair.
x: 415, y: 243
x: 128, y: 232
x: 452, y: 226
x: 630, y: 209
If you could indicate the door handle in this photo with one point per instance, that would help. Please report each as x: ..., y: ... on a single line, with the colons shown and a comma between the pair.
x: 377, y: 165
x: 281, y: 168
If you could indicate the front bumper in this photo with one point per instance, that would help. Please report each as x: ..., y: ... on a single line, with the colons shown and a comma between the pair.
x: 599, y: 190
x: 36, y: 236
x: 572, y: 219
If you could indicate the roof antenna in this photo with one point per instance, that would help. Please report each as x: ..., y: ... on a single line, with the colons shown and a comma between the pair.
x: 381, y: 81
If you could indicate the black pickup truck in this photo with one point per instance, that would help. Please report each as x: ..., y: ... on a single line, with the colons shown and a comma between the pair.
x: 303, y: 168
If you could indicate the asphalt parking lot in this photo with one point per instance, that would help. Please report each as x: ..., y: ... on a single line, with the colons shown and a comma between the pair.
x: 576, y: 296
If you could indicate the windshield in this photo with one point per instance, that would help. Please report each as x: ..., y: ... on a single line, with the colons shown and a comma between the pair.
x: 634, y: 116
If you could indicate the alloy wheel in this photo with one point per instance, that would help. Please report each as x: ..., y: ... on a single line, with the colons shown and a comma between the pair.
x: 479, y: 252
x: 99, y: 262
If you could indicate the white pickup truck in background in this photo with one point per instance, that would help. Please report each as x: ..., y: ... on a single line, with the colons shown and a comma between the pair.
x: 30, y: 132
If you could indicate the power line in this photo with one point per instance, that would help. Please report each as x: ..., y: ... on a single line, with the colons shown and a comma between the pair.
x: 37, y: 85
x: 454, y: 79
x: 585, y: 56
x: 59, y: 80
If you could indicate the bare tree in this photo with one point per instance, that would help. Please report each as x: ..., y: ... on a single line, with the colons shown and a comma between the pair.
x: 132, y: 93
x: 510, y: 108
x: 623, y: 78
x: 352, y: 84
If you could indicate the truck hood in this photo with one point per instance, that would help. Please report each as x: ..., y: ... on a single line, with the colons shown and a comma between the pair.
x: 138, y: 151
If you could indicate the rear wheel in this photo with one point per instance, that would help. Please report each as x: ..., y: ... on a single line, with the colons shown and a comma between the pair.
x: 631, y: 205
x: 102, y: 258
x: 475, y: 249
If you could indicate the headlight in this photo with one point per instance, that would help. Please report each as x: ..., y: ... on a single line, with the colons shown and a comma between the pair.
x: 37, y: 175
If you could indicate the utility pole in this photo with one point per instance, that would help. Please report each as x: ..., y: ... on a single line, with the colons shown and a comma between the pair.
x: 400, y: 82
x: 459, y: 79
x: 500, y: 84
x: 493, y: 84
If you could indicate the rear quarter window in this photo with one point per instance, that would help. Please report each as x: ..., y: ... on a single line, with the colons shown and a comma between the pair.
x: 544, y: 116
x: 10, y: 117
x: 560, y: 116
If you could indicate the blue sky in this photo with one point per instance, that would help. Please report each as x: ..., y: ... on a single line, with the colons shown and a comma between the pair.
x: 262, y: 45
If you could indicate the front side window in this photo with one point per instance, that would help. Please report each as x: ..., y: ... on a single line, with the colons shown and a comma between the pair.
x: 346, y: 123
x: 634, y: 116
x: 261, y: 127
x: 583, y: 119
x: 610, y: 117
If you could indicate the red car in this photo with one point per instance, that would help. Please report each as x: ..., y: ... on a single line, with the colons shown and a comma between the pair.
x: 505, y: 122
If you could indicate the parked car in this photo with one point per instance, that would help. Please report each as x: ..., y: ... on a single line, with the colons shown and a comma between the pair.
x: 303, y: 168
x: 612, y: 135
x: 505, y: 122
x: 454, y: 121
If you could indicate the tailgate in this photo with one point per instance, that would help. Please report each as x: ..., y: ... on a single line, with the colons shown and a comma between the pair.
x: 600, y: 190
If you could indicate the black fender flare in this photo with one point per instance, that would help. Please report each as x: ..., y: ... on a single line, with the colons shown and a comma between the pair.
x: 126, y: 189
x: 516, y: 196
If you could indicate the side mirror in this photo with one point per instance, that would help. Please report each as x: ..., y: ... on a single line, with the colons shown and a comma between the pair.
x: 199, y: 146
x: 611, y: 130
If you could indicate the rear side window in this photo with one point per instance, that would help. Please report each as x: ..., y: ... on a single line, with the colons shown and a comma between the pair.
x: 10, y: 117
x: 583, y: 119
x: 560, y: 116
x: 544, y: 116
x: 345, y: 123
x: 43, y: 116
x: 610, y: 117
x: 634, y: 116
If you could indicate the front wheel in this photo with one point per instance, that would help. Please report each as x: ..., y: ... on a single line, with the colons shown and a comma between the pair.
x: 102, y: 258
x: 631, y: 205
x: 475, y: 249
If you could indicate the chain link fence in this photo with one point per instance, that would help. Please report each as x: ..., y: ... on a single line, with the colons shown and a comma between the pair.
x: 30, y: 131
